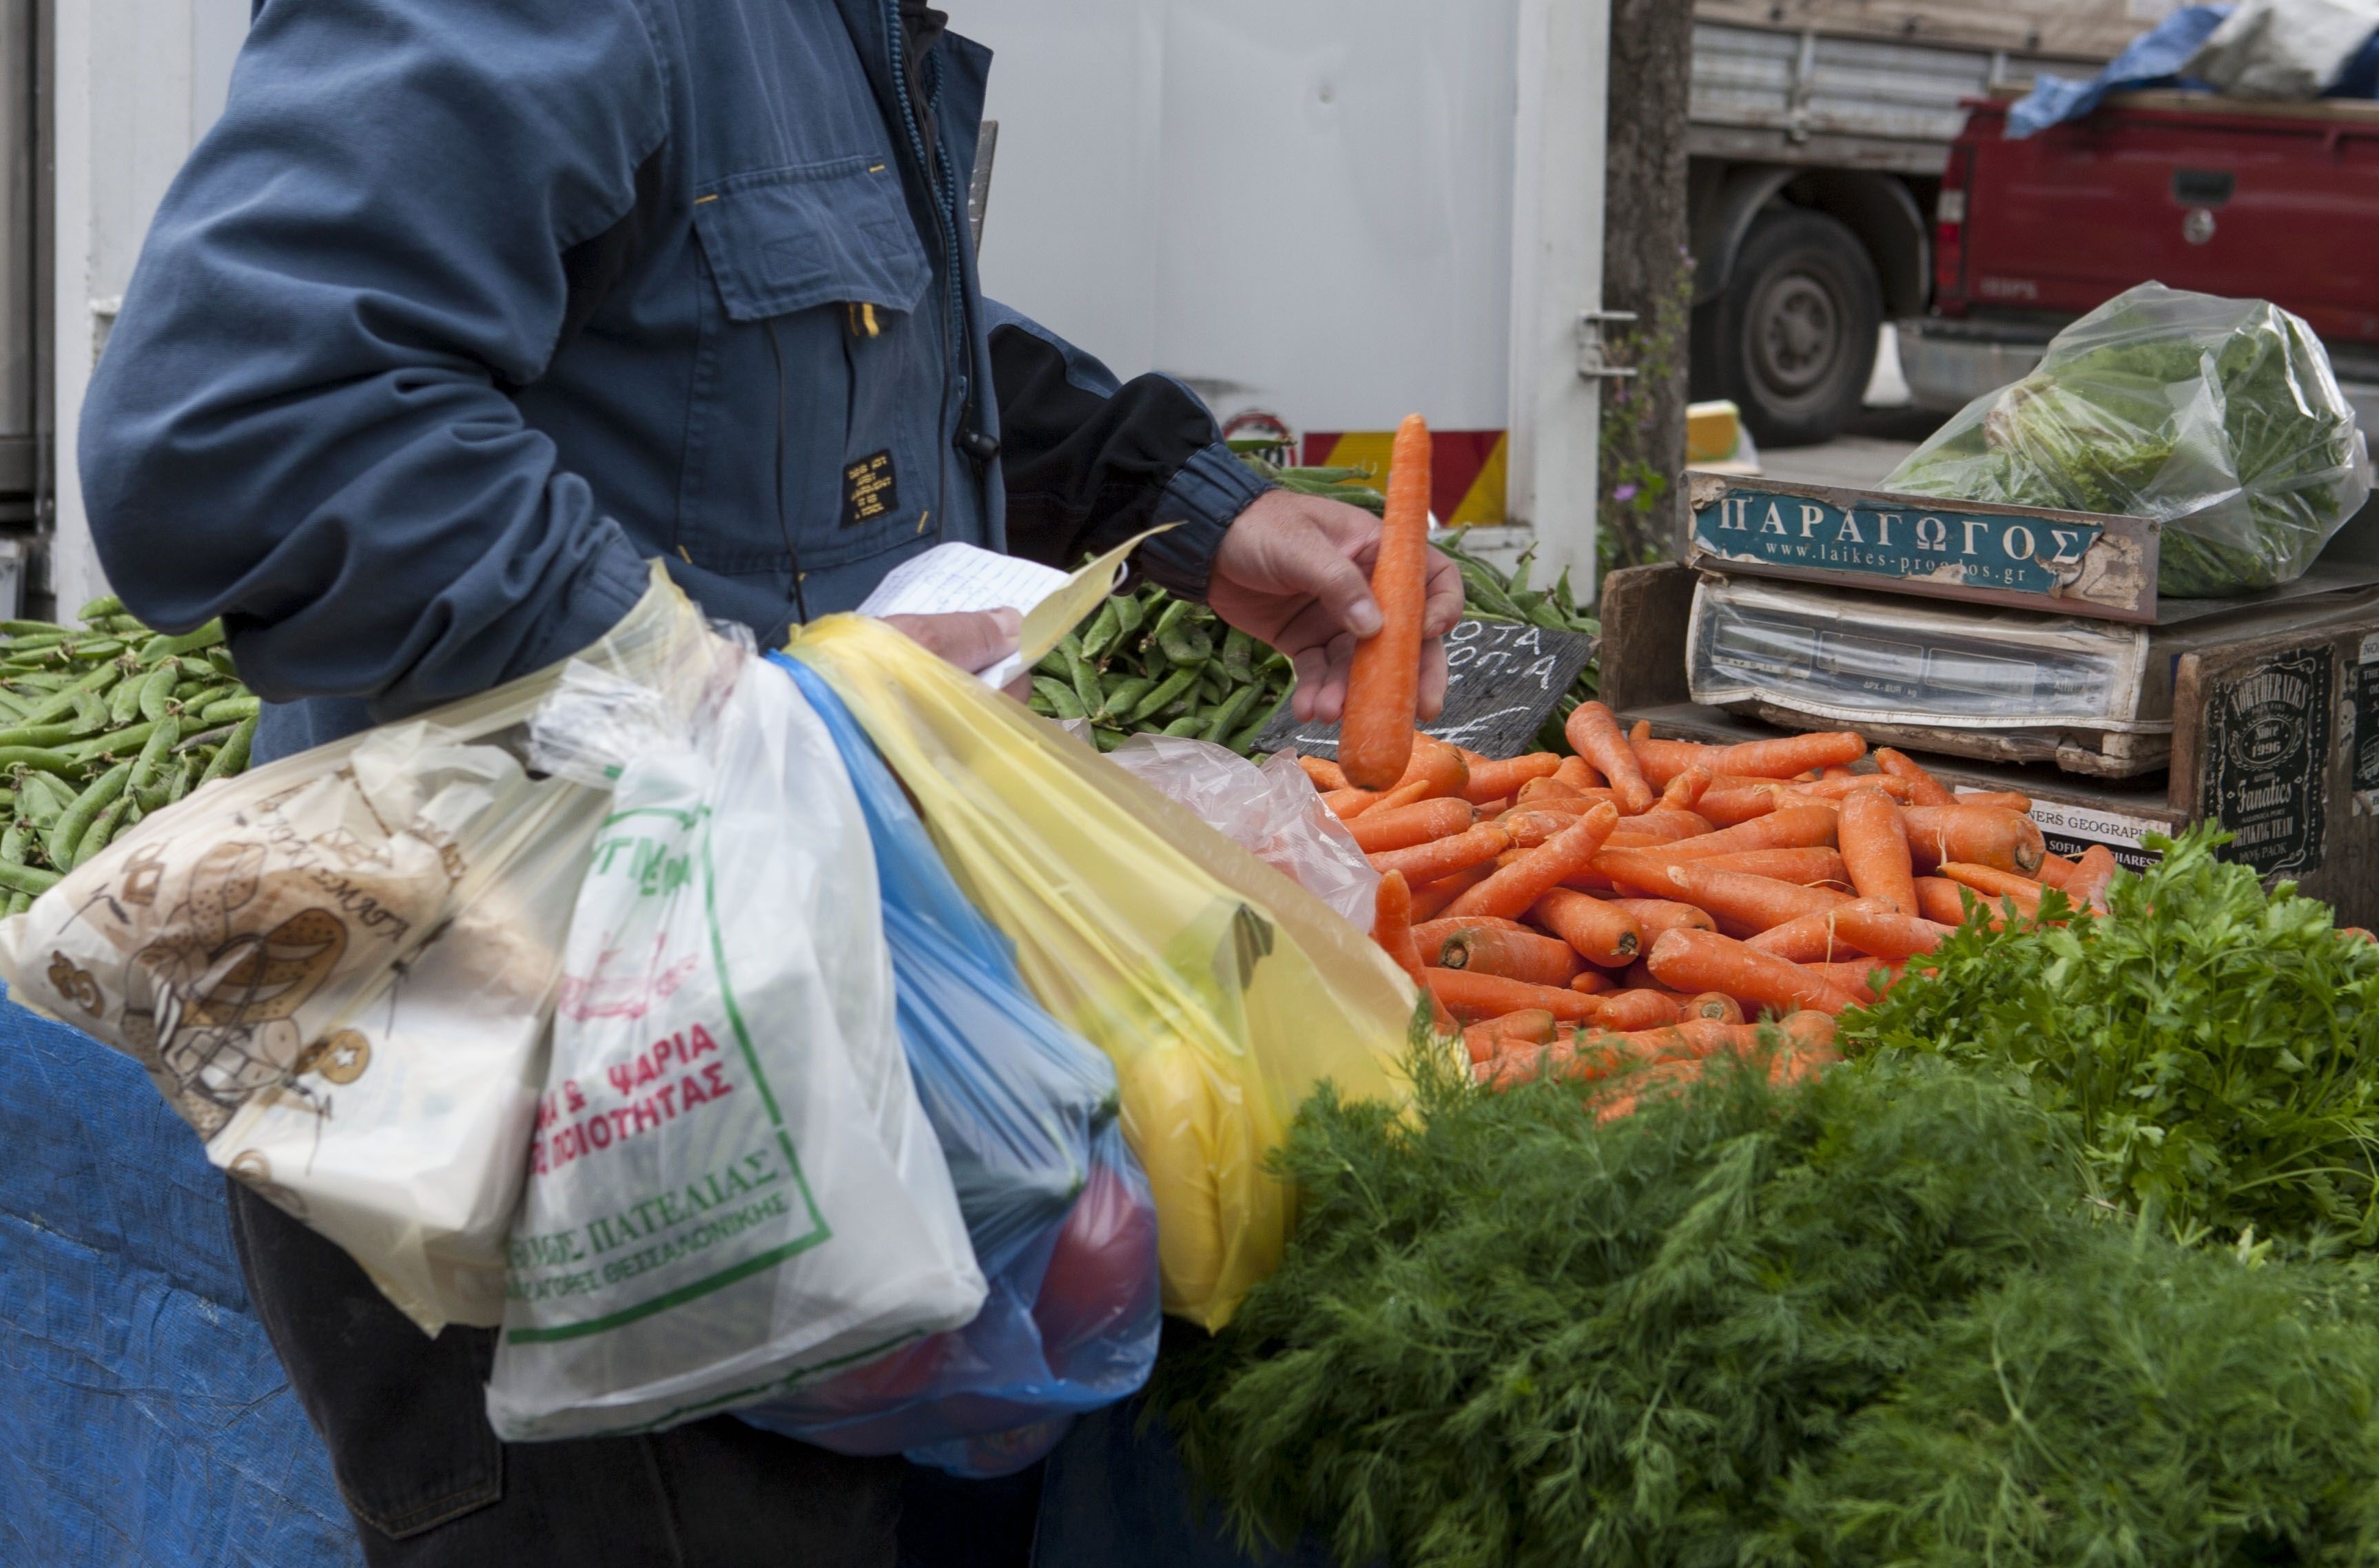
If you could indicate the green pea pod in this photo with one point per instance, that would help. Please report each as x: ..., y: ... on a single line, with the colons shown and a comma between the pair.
x: 233, y: 757
x: 125, y: 741
x: 206, y: 636
x: 90, y: 712
x: 1244, y: 742
x: 1171, y: 617
x: 61, y: 763
x: 22, y: 632
x: 1085, y: 682
x: 1226, y: 717
x: 99, y: 608
x: 12, y: 707
x: 1188, y: 724
x: 219, y: 659
x: 202, y: 697
x: 154, y: 752
x: 97, y: 649
x: 1105, y: 626
x: 48, y: 682
x: 1549, y: 616
x: 230, y: 710
x: 102, y: 829
x: 124, y: 705
x: 1185, y: 644
x: 40, y: 799
x: 12, y: 844
x: 1059, y: 696
x: 157, y: 794
x: 1164, y: 692
x: 19, y: 901
x: 1053, y: 664
x: 1130, y: 613
x: 1108, y: 739
x: 39, y: 735
x: 157, y: 690
x: 185, y: 775
x: 74, y: 821
x: 1239, y: 657
x: 61, y: 703
x: 29, y: 880
x: 1123, y: 693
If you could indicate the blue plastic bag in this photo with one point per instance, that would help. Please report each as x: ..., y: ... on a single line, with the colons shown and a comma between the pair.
x: 1058, y: 1209
x: 2153, y: 59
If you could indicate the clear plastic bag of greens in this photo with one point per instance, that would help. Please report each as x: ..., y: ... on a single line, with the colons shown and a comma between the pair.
x: 2218, y: 418
x: 1222, y: 990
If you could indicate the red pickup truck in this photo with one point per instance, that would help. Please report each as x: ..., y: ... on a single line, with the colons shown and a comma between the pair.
x: 2276, y: 201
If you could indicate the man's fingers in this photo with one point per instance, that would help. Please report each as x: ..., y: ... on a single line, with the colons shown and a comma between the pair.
x: 1443, y: 605
x: 1433, y: 678
x: 1337, y: 585
x: 971, y: 640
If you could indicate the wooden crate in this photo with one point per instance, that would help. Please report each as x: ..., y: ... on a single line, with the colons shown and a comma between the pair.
x: 2274, y: 736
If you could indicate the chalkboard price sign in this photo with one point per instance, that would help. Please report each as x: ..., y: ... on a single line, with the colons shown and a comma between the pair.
x: 1501, y: 682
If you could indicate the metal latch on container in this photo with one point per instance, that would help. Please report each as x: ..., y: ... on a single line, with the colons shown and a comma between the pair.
x: 1590, y: 361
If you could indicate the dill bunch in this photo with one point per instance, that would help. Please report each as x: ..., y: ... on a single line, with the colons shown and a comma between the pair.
x: 2216, y: 1045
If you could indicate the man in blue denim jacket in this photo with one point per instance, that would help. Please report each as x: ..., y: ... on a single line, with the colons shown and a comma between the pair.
x: 466, y: 310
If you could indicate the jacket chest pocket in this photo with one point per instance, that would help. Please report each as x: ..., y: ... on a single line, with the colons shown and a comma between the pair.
x: 821, y: 378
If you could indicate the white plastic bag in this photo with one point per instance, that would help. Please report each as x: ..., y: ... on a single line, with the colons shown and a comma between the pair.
x: 733, y: 1188
x: 1273, y: 811
x: 337, y: 969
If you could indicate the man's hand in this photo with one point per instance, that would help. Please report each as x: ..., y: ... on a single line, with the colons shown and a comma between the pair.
x: 973, y: 640
x: 1295, y: 572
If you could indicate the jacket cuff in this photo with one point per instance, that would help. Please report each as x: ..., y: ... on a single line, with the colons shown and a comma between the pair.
x: 1205, y: 495
x: 598, y: 598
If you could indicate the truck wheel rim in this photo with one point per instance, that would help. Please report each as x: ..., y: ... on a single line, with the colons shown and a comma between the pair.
x: 1796, y: 333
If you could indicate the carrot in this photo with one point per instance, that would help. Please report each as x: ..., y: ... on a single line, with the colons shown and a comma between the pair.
x: 2056, y: 871
x: 1432, y: 935
x: 1663, y: 823
x: 1686, y: 788
x: 2091, y: 874
x: 1486, y: 1038
x: 1530, y: 829
x: 1443, y: 857
x: 1637, y: 1010
x: 2006, y: 799
x: 1592, y: 981
x: 1715, y: 1006
x: 1594, y: 734
x: 1392, y: 923
x: 1400, y: 828
x: 1326, y: 774
x: 1733, y: 807
x: 1551, y: 794
x: 1496, y: 807
x: 1835, y: 786
x: 1858, y: 978
x: 1996, y: 884
x: 1430, y: 898
x: 1515, y: 955
x: 1578, y: 774
x: 1752, y: 903
x: 1863, y: 924
x: 1383, y: 685
x: 1434, y: 769
x: 1598, y: 932
x: 1703, y: 960
x: 1349, y: 804
x: 1938, y: 900
x: 1813, y: 867
x: 1875, y: 849
x: 1475, y: 997
x: 1811, y: 939
x: 1990, y: 836
x: 1924, y: 788
x: 1514, y: 887
x: 1790, y: 755
x: 1491, y: 779
x: 1660, y: 761
x: 1653, y: 916
x: 1787, y: 827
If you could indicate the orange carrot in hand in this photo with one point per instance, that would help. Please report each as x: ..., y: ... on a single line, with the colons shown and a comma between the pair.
x: 1594, y: 734
x: 1990, y: 836
x: 1400, y: 828
x: 1443, y: 857
x: 1598, y: 932
x: 1475, y: 997
x: 1515, y: 955
x: 1515, y: 886
x: 1383, y: 684
x: 1703, y: 960
x: 1875, y: 849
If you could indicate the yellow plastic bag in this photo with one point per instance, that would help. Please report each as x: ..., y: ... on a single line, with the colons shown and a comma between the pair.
x: 1222, y: 990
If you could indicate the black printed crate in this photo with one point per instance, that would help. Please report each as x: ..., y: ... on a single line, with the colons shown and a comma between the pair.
x: 2276, y: 735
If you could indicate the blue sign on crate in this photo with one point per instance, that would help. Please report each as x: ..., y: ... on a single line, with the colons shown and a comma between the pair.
x: 2067, y: 563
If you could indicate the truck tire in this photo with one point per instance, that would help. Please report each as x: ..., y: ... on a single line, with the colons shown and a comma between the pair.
x: 1793, y: 338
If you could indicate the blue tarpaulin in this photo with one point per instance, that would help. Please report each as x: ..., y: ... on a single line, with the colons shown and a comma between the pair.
x: 2155, y: 59
x: 143, y: 1416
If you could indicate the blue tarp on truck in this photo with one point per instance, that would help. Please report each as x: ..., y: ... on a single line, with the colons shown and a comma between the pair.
x: 143, y: 1416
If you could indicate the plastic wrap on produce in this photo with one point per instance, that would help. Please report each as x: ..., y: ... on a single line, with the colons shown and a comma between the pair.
x: 1273, y: 811
x: 2218, y: 418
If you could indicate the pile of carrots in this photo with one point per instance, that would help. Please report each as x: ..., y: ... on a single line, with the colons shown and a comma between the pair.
x: 1648, y: 901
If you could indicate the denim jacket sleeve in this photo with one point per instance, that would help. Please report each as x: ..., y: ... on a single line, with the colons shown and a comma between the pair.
x: 1088, y: 461
x: 301, y: 421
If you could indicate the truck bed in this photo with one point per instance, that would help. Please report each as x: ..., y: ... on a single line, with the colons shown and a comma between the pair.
x: 2072, y: 31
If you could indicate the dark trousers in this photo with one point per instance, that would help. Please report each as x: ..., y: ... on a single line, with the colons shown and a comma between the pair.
x: 431, y: 1487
